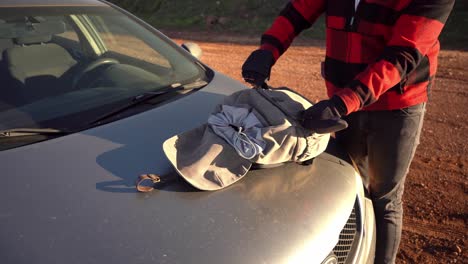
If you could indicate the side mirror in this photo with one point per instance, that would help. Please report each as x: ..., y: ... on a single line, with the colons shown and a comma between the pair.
x: 193, y: 48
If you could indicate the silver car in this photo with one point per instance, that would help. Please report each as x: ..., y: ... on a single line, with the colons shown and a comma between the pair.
x: 88, y: 93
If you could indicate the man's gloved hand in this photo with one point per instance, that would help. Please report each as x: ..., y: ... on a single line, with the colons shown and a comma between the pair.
x: 325, y: 116
x: 256, y: 69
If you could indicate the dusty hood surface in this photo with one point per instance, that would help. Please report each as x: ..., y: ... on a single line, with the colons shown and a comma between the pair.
x: 72, y: 199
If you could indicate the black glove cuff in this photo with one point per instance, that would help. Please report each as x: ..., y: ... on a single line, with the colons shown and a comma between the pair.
x: 339, y: 105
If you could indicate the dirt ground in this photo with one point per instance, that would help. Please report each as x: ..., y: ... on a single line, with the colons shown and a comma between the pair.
x: 435, y: 219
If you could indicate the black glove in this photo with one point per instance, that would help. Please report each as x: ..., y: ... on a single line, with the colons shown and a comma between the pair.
x: 325, y: 116
x: 256, y: 69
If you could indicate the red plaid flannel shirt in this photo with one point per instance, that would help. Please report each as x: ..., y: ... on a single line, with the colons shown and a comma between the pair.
x: 382, y: 56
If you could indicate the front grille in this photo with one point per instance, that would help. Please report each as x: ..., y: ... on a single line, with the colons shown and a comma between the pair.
x: 348, y: 236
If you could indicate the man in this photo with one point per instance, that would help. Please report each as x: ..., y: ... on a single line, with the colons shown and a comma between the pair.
x: 381, y: 59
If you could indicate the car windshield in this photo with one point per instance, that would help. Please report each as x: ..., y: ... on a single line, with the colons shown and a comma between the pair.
x: 62, y: 67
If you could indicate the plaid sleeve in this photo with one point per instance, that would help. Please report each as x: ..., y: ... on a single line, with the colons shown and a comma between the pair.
x: 416, y: 31
x: 296, y: 16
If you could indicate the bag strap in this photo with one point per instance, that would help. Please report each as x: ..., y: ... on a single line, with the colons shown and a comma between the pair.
x: 148, y: 182
x: 143, y: 179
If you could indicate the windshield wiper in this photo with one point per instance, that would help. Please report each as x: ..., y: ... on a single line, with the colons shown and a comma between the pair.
x: 21, y: 132
x: 145, y: 97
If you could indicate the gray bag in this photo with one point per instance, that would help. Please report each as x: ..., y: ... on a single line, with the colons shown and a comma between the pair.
x: 253, y: 126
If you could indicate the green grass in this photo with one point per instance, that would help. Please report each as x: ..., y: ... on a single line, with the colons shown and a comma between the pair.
x: 252, y: 17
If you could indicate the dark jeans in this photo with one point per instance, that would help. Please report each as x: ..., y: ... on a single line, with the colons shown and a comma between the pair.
x: 383, y: 143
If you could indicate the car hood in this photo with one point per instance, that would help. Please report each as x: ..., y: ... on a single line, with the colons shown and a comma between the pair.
x: 72, y: 199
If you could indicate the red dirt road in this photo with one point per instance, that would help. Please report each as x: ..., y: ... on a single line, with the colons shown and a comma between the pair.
x: 435, y: 204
